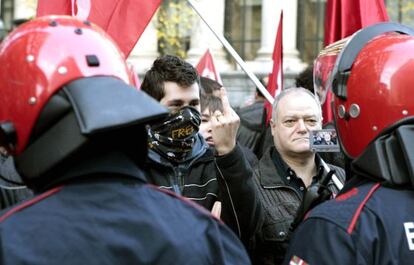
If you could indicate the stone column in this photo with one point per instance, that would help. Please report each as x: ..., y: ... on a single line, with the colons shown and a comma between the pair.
x: 202, y: 37
x: 146, y: 49
x: 270, y: 17
x: 291, y: 60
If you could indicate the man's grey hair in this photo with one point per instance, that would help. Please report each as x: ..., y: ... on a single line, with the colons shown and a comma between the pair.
x: 291, y: 90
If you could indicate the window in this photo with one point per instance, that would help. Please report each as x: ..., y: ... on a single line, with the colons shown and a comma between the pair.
x: 7, y: 13
x: 242, y: 26
x: 401, y: 11
x: 311, y: 18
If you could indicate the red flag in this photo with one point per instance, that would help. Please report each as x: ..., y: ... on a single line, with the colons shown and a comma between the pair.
x: 275, y: 84
x: 123, y: 20
x: 342, y: 19
x: 206, y: 67
x: 56, y: 7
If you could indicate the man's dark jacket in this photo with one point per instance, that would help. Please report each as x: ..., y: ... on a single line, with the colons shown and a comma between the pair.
x: 252, y: 127
x: 280, y: 203
x: 207, y: 178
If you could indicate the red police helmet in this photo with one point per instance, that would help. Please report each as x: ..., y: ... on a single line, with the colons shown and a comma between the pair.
x: 372, y: 82
x: 38, y: 58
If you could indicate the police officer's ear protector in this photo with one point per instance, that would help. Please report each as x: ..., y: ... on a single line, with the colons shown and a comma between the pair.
x: 342, y: 69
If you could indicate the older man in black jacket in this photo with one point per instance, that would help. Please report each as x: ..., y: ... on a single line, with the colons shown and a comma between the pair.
x: 287, y: 170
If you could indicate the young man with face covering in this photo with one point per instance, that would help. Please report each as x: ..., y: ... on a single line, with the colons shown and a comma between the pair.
x: 287, y: 170
x: 179, y: 158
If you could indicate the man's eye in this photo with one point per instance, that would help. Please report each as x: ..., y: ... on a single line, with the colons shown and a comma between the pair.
x: 205, y: 120
x: 174, y: 106
x: 173, y: 109
x: 311, y: 122
x: 289, y: 122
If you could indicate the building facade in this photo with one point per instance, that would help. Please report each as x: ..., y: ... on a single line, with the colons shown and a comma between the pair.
x: 248, y: 25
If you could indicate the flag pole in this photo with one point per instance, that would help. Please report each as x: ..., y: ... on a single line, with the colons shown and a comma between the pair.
x: 235, y: 55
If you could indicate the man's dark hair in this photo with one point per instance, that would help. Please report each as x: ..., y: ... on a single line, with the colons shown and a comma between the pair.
x: 211, y: 102
x: 264, y: 83
x: 209, y: 85
x: 305, y: 79
x: 17, y: 22
x: 168, y: 68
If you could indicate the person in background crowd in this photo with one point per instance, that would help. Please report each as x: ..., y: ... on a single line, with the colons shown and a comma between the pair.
x: 305, y: 79
x: 209, y: 86
x: 252, y: 123
x: 17, y: 22
x: 76, y: 129
x: 288, y: 170
x: 179, y: 159
x: 372, y: 219
x: 209, y: 105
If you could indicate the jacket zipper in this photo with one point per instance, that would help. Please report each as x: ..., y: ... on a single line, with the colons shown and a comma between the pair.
x: 175, y: 180
x: 287, y: 187
x: 231, y: 199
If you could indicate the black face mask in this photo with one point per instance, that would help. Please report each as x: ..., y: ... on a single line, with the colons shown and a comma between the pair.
x: 174, y: 137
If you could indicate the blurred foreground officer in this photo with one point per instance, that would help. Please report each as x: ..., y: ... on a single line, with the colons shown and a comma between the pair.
x: 74, y: 125
x: 372, y: 220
